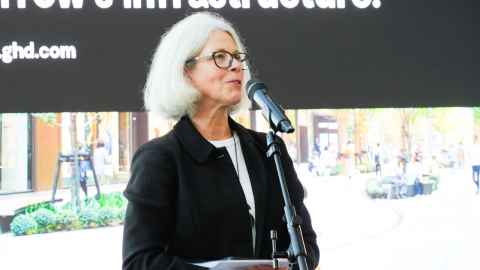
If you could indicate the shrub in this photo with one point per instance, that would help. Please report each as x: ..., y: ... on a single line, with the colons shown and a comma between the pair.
x: 91, y: 203
x: 112, y: 200
x: 109, y: 209
x: 106, y: 216
x: 23, y: 225
x: 34, y: 207
x: 435, y: 181
x: 45, y: 219
x: 67, y: 219
x: 374, y: 189
x: 336, y: 170
x: 366, y: 167
x: 121, y: 214
x: 88, y: 217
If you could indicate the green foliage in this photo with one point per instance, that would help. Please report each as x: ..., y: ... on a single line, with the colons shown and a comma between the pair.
x: 91, y: 203
x: 366, y: 167
x: 23, y: 225
x: 106, y: 216
x: 34, y: 207
x: 67, y: 219
x: 48, y: 118
x: 476, y: 114
x: 108, y: 210
x: 88, y: 217
x: 114, y: 200
x: 336, y: 170
x: 111, y: 200
x: 121, y: 214
x: 434, y: 180
x: 374, y: 189
x: 45, y: 219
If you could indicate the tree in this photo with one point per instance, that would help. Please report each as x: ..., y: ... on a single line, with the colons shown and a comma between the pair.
x: 476, y: 117
x: 51, y: 119
x: 408, y: 117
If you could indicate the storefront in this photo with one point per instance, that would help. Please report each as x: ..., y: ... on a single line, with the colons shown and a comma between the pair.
x: 113, y: 129
x: 15, y: 153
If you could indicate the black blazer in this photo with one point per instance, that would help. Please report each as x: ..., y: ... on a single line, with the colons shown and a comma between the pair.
x: 185, y: 202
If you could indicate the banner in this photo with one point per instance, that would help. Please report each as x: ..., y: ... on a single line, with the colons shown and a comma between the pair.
x: 79, y: 55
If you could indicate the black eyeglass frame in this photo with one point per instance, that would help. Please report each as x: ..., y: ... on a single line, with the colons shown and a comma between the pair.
x: 239, y: 56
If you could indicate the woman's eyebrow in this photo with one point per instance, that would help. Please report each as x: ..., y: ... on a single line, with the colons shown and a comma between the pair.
x: 225, y: 50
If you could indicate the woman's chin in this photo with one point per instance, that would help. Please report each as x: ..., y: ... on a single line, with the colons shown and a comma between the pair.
x: 236, y: 100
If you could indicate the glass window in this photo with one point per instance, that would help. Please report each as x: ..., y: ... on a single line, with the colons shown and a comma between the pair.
x: 14, y: 136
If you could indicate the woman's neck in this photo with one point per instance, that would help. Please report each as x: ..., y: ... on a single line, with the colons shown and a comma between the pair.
x: 212, y: 125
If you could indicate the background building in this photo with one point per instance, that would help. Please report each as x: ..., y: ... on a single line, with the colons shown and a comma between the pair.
x: 31, y: 143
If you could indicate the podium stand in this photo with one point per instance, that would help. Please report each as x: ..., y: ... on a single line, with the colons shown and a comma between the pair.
x: 71, y: 159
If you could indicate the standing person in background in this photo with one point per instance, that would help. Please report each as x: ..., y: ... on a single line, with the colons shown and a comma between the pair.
x: 460, y: 156
x: 84, y: 167
x: 403, y: 160
x: 475, y: 162
x: 417, y: 166
x: 205, y: 190
x: 377, y: 158
x: 100, y: 156
x: 350, y: 159
x: 317, y: 148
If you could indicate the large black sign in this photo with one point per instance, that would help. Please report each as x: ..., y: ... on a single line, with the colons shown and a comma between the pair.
x: 85, y: 55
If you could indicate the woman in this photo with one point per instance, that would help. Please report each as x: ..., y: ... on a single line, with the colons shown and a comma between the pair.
x: 205, y: 190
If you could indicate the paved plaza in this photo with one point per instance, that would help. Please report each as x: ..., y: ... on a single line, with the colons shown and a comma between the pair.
x: 437, y: 231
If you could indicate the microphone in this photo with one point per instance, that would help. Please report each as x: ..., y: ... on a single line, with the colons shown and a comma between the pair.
x: 273, y: 113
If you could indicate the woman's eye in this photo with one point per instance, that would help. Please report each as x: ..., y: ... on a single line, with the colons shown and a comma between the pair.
x: 220, y: 56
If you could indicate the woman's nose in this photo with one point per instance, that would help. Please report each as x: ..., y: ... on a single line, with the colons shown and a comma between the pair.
x: 236, y: 65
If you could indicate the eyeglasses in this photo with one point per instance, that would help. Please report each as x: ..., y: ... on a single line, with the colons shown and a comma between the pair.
x: 222, y: 59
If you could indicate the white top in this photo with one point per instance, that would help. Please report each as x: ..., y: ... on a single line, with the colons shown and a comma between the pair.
x: 100, y: 155
x: 475, y: 154
x: 242, y: 174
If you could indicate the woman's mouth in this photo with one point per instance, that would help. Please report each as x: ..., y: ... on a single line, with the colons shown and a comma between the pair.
x: 237, y: 82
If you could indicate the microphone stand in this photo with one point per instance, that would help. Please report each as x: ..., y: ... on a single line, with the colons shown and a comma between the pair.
x: 297, y: 252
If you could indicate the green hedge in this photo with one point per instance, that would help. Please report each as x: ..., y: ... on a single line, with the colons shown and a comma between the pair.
x: 108, y: 210
x: 23, y: 225
x: 374, y: 189
x: 34, y: 207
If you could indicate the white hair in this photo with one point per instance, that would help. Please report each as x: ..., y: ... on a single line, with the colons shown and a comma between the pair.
x: 168, y: 91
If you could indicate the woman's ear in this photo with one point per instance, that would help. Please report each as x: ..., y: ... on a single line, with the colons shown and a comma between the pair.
x: 187, y: 73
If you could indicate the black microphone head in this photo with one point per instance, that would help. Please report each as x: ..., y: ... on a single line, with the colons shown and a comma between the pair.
x: 252, y: 86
